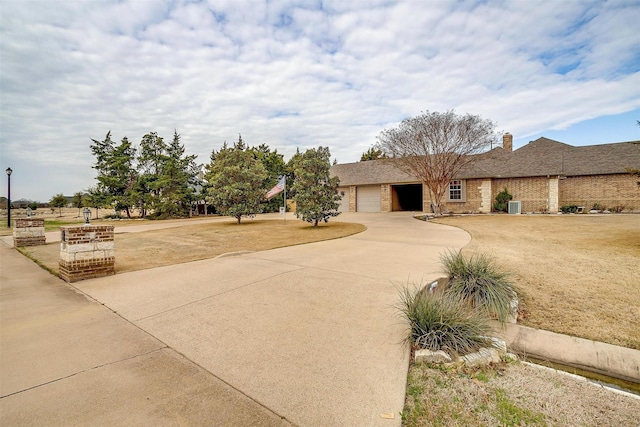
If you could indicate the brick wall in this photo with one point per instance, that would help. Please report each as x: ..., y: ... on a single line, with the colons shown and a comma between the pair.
x: 28, y: 232
x: 606, y: 190
x: 473, y: 201
x: 86, y: 252
x: 532, y: 192
x: 542, y: 194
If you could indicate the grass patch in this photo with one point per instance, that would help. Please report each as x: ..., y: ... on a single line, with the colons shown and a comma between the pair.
x: 46, y: 264
x: 508, y: 413
x: 156, y: 248
x: 509, y: 395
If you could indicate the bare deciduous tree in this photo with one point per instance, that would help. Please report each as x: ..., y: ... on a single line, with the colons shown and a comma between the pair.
x: 435, y: 146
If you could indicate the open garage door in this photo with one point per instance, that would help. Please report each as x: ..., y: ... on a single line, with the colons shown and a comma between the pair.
x: 368, y: 198
x: 406, y: 197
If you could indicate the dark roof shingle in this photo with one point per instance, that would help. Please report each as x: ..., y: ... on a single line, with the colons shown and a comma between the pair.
x: 541, y: 157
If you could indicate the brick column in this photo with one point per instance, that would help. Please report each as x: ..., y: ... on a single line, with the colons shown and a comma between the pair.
x: 86, y: 252
x: 386, y: 204
x: 352, y: 198
x: 28, y: 232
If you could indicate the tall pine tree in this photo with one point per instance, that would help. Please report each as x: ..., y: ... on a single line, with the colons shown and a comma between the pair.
x: 116, y: 171
x: 175, y: 181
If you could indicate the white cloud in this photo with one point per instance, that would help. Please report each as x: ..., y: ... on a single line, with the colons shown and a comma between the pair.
x: 297, y: 74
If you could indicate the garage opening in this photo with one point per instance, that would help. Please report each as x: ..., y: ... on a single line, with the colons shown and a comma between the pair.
x: 406, y: 197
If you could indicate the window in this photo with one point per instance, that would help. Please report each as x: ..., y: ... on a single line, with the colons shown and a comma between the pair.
x: 455, y: 191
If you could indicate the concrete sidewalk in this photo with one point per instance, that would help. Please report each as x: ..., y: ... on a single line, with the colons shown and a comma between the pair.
x: 308, y: 332
x: 67, y: 360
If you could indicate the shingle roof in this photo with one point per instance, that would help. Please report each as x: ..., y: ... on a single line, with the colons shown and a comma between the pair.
x: 371, y: 172
x: 541, y: 157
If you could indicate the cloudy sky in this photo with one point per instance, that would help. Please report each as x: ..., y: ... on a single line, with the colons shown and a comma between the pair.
x: 302, y: 74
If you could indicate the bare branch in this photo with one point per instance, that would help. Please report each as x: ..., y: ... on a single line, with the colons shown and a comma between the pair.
x: 435, y: 146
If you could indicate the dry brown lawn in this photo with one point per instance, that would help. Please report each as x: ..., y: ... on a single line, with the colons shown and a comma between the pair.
x: 580, y: 274
x: 149, y: 249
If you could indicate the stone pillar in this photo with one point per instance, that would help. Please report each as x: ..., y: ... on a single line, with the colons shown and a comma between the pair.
x: 86, y: 252
x: 485, y: 196
x: 352, y: 198
x: 28, y: 232
x: 553, y: 194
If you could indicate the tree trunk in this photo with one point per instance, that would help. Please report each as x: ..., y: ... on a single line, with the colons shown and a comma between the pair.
x: 315, y: 223
x: 239, y: 217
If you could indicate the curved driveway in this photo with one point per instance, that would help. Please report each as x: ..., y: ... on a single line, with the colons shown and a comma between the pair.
x: 309, y: 332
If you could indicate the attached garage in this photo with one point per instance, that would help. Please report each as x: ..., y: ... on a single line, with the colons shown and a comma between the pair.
x: 368, y: 198
x: 406, y: 197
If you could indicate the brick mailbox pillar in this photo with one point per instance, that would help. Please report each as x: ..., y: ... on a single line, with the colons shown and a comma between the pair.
x: 28, y: 232
x: 86, y: 252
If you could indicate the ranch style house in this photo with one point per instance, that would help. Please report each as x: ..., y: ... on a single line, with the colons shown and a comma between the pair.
x: 543, y: 176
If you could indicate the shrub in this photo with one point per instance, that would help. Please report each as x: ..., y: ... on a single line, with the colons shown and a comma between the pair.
x: 617, y: 208
x: 598, y: 207
x: 502, y: 201
x: 438, y: 321
x: 113, y: 216
x: 479, y: 283
x: 569, y: 209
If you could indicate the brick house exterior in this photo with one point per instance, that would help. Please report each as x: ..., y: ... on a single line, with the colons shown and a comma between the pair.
x: 543, y: 175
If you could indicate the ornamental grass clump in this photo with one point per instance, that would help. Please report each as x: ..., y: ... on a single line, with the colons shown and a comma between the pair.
x: 438, y: 321
x: 477, y: 281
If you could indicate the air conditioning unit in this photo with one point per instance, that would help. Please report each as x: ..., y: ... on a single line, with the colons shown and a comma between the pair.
x: 515, y: 207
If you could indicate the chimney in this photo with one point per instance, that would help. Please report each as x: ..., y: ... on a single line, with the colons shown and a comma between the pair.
x: 507, y: 141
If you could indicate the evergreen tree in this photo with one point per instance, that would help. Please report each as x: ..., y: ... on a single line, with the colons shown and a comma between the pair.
x: 373, y: 154
x: 291, y: 172
x: 96, y: 198
x: 116, y: 171
x: 275, y: 167
x: 235, y: 181
x: 151, y: 157
x: 316, y: 192
x: 175, y: 181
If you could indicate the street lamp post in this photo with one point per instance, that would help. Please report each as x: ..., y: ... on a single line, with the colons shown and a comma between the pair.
x: 9, y: 197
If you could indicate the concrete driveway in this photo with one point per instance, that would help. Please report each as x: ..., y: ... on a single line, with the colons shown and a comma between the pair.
x: 307, y: 334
